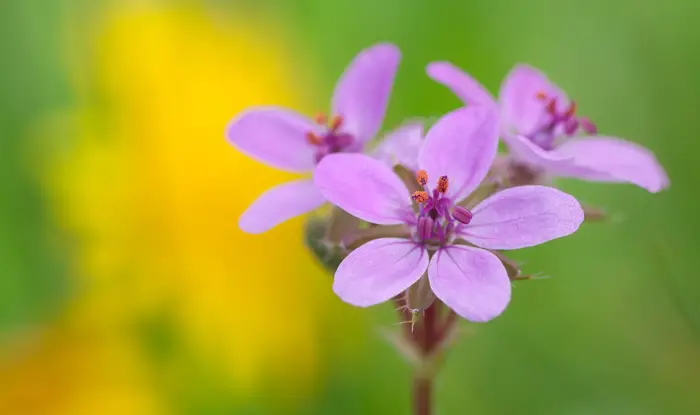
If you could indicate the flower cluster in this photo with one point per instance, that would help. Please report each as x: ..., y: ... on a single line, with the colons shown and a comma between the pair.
x: 435, y: 209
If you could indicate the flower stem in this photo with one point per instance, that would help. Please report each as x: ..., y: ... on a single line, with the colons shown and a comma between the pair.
x: 422, y: 396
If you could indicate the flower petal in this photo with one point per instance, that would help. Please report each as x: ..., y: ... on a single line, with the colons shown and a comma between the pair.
x: 610, y: 159
x: 461, y: 145
x: 363, y: 187
x: 402, y: 146
x: 275, y: 136
x: 523, y: 216
x: 362, y: 93
x: 471, y: 281
x: 280, y: 203
x: 524, y: 150
x: 520, y: 107
x: 379, y: 270
x: 468, y: 89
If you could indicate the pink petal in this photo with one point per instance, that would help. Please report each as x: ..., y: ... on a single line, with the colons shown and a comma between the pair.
x: 470, y: 91
x: 280, y: 203
x: 461, y: 145
x: 523, y: 216
x: 363, y: 187
x: 362, y: 93
x: 610, y: 159
x: 379, y: 270
x: 275, y: 136
x: 471, y: 281
x: 520, y: 108
x: 525, y: 151
x: 402, y: 146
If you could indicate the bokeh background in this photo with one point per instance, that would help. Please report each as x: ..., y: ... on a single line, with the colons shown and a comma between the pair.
x: 126, y: 287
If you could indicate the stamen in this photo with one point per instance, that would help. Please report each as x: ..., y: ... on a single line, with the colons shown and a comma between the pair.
x: 541, y: 95
x: 571, y: 126
x: 588, y: 126
x: 571, y: 111
x: 420, y: 197
x: 313, y: 138
x: 552, y: 106
x: 336, y: 122
x: 321, y: 118
x: 462, y: 214
x: 425, y: 227
x: 422, y: 177
x: 443, y: 184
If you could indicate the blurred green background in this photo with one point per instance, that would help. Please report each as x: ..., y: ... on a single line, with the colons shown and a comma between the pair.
x: 126, y: 287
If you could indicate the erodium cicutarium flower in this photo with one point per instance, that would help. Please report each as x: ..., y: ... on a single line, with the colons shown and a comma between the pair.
x: 290, y: 141
x: 447, y: 240
x: 543, y: 132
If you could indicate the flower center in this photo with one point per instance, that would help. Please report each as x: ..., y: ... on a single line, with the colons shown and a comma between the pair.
x: 437, y: 216
x: 332, y: 140
x: 555, y: 122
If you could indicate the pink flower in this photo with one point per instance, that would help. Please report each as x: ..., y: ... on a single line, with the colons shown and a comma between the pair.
x: 290, y: 141
x: 539, y: 122
x: 401, y: 146
x: 456, y: 155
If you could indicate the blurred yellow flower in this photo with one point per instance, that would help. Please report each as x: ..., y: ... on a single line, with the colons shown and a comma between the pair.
x: 150, y: 192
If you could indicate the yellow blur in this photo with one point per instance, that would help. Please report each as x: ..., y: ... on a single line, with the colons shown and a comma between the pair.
x: 149, y: 192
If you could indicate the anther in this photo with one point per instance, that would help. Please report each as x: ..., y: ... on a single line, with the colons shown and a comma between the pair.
x: 541, y: 95
x: 571, y: 111
x: 552, y: 106
x: 571, y: 126
x: 336, y: 122
x: 462, y: 214
x: 314, y: 139
x: 321, y: 118
x: 422, y: 177
x: 442, y: 184
x: 588, y: 126
x: 420, y: 197
x: 425, y: 227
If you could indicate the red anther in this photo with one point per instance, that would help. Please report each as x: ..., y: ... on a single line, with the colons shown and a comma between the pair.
x: 442, y: 184
x: 571, y: 111
x: 313, y: 138
x: 420, y: 196
x: 552, y: 106
x: 336, y: 122
x: 422, y: 177
x: 321, y: 118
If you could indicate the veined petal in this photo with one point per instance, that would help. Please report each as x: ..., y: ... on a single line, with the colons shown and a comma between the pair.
x: 280, y: 203
x: 363, y: 187
x: 379, y: 270
x: 524, y: 150
x: 609, y: 159
x: 468, y: 89
x: 520, y: 108
x: 471, y: 281
x: 461, y: 145
x: 523, y: 216
x: 362, y: 93
x: 402, y: 146
x: 275, y: 136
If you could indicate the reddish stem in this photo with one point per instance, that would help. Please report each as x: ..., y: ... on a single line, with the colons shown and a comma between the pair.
x: 422, y: 396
